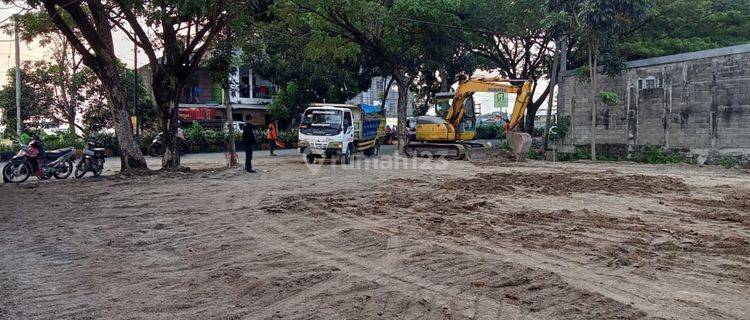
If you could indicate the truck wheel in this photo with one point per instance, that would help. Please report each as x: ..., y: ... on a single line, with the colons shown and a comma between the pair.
x: 373, y: 151
x: 310, y: 159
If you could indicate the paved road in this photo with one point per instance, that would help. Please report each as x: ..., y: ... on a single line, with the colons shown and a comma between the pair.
x: 112, y: 164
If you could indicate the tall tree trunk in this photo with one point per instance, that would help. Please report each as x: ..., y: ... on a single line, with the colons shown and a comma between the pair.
x: 170, y: 141
x: 62, y: 64
x: 403, y: 101
x: 131, y: 156
x: 592, y: 75
x: 552, y: 84
x: 532, y: 109
x: 166, y: 92
x: 386, y: 90
x: 231, y: 159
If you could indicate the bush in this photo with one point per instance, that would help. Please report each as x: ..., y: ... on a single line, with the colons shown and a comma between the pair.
x: 728, y: 162
x: 654, y: 155
x: 106, y: 140
x: 260, y: 136
x: 538, y: 132
x: 536, y: 155
x: 561, y: 127
x: 289, y: 137
x: 4, y: 147
x: 505, y: 145
x: 489, y: 131
x: 582, y: 155
x: 61, y: 140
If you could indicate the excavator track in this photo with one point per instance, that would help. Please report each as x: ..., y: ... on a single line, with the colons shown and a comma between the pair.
x: 441, y: 150
x: 455, y: 151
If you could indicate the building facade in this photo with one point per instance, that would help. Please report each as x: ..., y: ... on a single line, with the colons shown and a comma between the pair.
x: 374, y: 97
x: 696, y: 103
x: 202, y: 100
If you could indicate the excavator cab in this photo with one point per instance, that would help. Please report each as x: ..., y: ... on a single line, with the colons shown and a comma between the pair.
x: 467, y: 129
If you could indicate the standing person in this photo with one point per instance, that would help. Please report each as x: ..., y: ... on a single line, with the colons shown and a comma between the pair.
x: 248, y: 140
x: 272, y: 134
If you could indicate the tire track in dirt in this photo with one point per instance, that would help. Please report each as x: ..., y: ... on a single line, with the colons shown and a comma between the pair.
x: 443, y: 274
x: 630, y: 291
x: 364, y: 269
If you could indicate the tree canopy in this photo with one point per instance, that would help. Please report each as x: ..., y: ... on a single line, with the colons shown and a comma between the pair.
x: 677, y: 26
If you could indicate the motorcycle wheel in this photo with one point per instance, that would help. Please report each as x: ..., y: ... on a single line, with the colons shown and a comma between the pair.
x: 154, y: 150
x: 64, y: 173
x: 82, y: 168
x: 23, y: 169
x: 97, y: 171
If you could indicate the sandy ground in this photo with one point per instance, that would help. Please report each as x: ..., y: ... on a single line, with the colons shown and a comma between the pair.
x: 381, y: 239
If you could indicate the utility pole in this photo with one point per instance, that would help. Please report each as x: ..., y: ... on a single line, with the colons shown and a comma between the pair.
x: 18, y: 80
x: 138, y: 114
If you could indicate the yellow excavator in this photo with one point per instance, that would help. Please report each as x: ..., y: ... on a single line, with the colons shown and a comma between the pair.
x: 450, y: 133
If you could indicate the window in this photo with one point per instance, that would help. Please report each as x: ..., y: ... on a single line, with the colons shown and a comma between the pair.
x: 245, y: 82
x: 660, y: 83
x: 650, y: 83
x: 347, y: 120
x: 640, y: 84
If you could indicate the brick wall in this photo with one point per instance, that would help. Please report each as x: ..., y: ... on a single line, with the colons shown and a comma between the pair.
x: 698, y: 103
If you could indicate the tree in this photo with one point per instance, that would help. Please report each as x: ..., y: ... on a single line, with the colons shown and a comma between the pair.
x: 183, y: 31
x: 390, y: 33
x: 677, y: 26
x: 76, y: 89
x: 222, y: 66
x: 35, y: 114
x: 514, y: 38
x: 285, y: 50
x: 597, y: 24
x: 87, y: 27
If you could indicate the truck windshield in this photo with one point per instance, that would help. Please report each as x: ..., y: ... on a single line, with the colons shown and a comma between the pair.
x: 321, y: 122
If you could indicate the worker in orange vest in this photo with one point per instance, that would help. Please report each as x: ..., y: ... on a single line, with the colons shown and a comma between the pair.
x: 272, y: 134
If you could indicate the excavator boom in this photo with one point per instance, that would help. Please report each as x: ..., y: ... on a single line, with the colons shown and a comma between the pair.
x: 449, y: 134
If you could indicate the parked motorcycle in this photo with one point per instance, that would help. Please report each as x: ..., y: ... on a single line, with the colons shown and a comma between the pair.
x: 156, y: 148
x: 91, y: 160
x: 26, y: 162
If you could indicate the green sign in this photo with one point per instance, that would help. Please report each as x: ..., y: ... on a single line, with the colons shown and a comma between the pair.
x: 501, y: 100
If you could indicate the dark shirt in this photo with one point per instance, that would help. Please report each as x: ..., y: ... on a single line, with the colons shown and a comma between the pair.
x: 248, y: 136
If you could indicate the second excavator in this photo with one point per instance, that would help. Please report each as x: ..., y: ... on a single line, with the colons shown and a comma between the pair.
x: 451, y: 132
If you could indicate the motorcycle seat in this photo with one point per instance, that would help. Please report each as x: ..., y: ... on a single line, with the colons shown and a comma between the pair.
x: 56, y: 154
x: 97, y: 149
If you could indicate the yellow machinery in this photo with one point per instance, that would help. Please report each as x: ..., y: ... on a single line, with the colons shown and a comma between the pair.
x: 449, y: 134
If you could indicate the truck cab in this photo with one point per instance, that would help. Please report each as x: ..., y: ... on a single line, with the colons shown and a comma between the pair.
x: 333, y: 130
x: 326, y: 132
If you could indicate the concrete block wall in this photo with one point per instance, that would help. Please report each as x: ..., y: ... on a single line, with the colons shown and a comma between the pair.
x: 698, y: 103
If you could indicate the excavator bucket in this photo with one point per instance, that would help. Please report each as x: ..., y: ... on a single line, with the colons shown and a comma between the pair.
x: 520, y: 144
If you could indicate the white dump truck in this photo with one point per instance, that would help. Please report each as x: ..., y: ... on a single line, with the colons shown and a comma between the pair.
x: 340, y: 130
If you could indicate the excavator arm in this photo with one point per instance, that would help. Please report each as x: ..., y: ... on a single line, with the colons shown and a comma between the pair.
x: 457, y: 111
x: 522, y: 102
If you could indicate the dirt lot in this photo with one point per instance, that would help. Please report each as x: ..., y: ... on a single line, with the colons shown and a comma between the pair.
x: 382, y: 240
